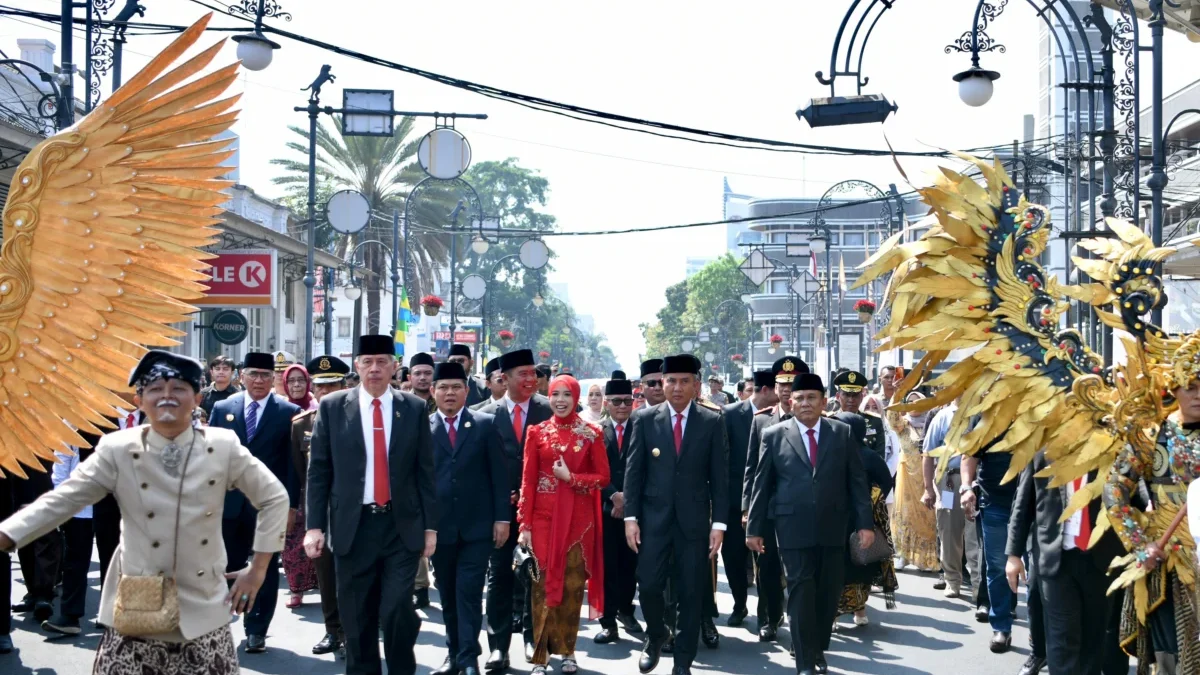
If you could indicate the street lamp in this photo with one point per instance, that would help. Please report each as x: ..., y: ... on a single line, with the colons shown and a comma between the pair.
x: 480, y: 245
x: 538, y: 300
x: 254, y: 50
x: 975, y: 85
x: 860, y: 108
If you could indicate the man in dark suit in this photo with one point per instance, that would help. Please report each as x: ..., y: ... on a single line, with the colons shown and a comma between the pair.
x: 620, y: 562
x: 371, y: 492
x: 810, y: 479
x: 477, y: 388
x: 473, y: 497
x: 1072, y: 575
x: 676, y: 499
x: 769, y: 579
x: 739, y: 417
x: 263, y: 423
x: 520, y: 408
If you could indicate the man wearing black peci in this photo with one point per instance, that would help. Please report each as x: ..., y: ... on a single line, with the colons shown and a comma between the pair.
x: 620, y: 562
x: 676, y: 499
x: 477, y: 388
x: 810, y: 479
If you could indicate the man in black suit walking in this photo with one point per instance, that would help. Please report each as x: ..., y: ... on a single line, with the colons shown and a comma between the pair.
x: 810, y: 479
x: 676, y: 500
x: 371, y: 493
x: 477, y: 388
x: 473, y: 499
x: 1073, y: 576
x: 620, y: 562
x: 520, y: 408
x: 263, y: 423
x: 739, y: 417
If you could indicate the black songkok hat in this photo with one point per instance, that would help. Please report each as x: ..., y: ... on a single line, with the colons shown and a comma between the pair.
x: 259, y: 360
x: 764, y: 378
x: 788, y: 368
x: 808, y: 382
x: 160, y: 365
x: 327, y: 369
x: 850, y: 381
x: 449, y: 371
x: 618, y: 375
x: 491, y: 367
x: 621, y: 387
x: 681, y: 363
x: 460, y: 350
x: 651, y: 366
x: 421, y: 359
x: 373, y: 345
x: 516, y: 359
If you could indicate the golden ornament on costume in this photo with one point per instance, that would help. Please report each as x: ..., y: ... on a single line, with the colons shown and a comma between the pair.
x: 973, y: 282
x: 103, y: 229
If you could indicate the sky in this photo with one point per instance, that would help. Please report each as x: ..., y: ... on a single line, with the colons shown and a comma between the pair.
x: 734, y: 67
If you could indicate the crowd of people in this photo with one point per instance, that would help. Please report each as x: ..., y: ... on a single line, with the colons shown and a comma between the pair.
x: 522, y: 497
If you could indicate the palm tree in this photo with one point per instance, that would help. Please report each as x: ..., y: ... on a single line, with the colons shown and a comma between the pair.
x: 383, y: 169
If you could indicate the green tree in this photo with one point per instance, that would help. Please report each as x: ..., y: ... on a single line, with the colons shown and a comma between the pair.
x: 662, y: 336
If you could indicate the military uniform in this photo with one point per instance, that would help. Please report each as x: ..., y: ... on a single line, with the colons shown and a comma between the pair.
x: 852, y: 382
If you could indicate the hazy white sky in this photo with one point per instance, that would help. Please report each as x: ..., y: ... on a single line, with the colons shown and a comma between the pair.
x: 735, y: 67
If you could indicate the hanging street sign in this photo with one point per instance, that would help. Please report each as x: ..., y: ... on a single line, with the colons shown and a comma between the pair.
x: 229, y: 327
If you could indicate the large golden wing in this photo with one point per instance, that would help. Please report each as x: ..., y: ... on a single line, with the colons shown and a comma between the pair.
x: 103, y: 229
x: 972, y: 282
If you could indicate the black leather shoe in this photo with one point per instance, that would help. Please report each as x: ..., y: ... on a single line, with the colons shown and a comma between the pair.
x: 738, y: 616
x: 819, y: 665
x: 497, y: 661
x: 448, y: 667
x: 1001, y: 641
x: 1033, y: 665
x: 256, y: 644
x: 669, y: 646
x: 767, y: 633
x: 630, y: 624
x: 470, y: 670
x: 421, y: 598
x: 606, y: 636
x: 6, y: 645
x: 981, y: 614
x: 806, y: 671
x: 42, y: 611
x: 681, y: 670
x: 648, y: 660
x: 940, y: 584
x: 329, y: 643
x: 709, y: 634
x: 528, y: 652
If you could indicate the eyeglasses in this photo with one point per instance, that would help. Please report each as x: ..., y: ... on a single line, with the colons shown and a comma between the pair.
x: 651, y: 384
x: 258, y: 374
x: 628, y: 400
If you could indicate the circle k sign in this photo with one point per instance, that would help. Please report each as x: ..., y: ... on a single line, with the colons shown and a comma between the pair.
x: 242, y: 278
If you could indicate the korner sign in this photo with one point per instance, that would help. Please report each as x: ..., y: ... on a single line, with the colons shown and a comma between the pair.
x: 242, y: 278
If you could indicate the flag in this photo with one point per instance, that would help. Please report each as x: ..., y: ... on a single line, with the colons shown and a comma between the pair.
x: 812, y: 264
x: 842, y: 275
x: 403, y: 318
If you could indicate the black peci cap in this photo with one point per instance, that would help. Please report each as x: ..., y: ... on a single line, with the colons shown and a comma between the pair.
x: 618, y: 375
x: 651, y: 366
x: 374, y: 345
x: 808, y: 382
x: 491, y: 367
x: 764, y: 378
x: 460, y: 350
x: 258, y: 360
x: 421, y: 359
x: 620, y: 387
x: 681, y: 363
x: 516, y: 359
x: 449, y: 371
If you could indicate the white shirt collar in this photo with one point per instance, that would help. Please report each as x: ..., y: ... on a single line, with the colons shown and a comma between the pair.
x: 262, y: 402
x: 686, y: 410
x: 457, y: 419
x: 513, y: 404
x: 804, y: 429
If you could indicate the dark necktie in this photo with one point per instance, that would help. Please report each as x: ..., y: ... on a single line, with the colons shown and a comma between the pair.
x: 251, y: 421
x: 620, y: 439
x: 382, y: 485
x: 453, y: 433
x: 678, y: 433
x: 812, y: 447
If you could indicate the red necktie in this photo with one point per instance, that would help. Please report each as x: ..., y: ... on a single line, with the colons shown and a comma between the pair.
x: 678, y: 433
x: 129, y: 421
x: 452, y: 431
x: 1085, y: 523
x: 382, y: 485
x: 812, y: 448
x: 620, y: 438
x: 518, y: 424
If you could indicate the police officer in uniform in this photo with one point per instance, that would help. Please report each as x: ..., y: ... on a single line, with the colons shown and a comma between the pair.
x: 849, y: 385
x: 328, y: 375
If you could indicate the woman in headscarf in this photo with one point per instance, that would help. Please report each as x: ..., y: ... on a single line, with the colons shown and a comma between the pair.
x: 859, y: 579
x: 914, y: 529
x: 594, y: 410
x: 300, y: 570
x: 566, y: 466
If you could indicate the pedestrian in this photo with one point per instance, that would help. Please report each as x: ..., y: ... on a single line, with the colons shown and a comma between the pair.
x: 328, y: 375
x: 739, y: 417
x: 420, y: 378
x: 676, y: 497
x: 473, y: 494
x: 282, y: 360
x: 223, y: 371
x: 849, y: 385
x: 180, y: 474
x: 594, y: 410
x: 989, y: 505
x: 495, y: 383
x: 620, y: 561
x: 262, y: 421
x: 565, y: 467
x: 957, y: 541
x: 477, y: 388
x: 812, y: 517
x: 716, y: 395
x: 376, y: 509
x: 544, y: 373
x: 914, y: 527
x: 77, y: 535
x: 299, y: 569
x: 509, y: 609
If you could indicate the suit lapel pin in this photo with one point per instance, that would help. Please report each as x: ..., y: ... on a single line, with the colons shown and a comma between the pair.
x: 397, y: 414
x: 467, y: 425
x: 655, y: 452
x: 229, y: 417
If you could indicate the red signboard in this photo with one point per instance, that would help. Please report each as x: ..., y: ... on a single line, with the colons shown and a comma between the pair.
x: 242, y: 278
x: 461, y: 337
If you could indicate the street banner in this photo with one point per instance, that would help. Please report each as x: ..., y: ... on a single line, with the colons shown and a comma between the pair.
x: 242, y: 278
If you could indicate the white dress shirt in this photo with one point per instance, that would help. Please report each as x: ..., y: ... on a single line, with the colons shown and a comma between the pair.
x: 1071, y: 526
x: 457, y: 421
x: 804, y: 432
x: 367, y: 413
x: 523, y: 406
x: 66, y: 465
x: 262, y: 404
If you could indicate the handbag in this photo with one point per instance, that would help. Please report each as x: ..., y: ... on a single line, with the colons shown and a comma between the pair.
x: 879, y: 549
x: 524, y: 564
x: 149, y: 605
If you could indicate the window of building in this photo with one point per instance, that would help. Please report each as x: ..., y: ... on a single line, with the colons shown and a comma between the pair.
x: 778, y: 286
x: 254, y: 336
x: 343, y: 327
x: 853, y: 239
x: 289, y: 301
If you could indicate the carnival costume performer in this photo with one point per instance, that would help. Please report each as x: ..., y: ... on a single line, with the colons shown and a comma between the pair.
x: 565, y: 467
x: 914, y: 530
x: 973, y: 282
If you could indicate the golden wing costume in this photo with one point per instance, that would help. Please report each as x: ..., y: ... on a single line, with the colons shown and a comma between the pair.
x: 103, y: 229
x: 973, y: 282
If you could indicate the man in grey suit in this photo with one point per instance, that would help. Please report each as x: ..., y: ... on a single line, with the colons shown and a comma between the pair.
x: 371, y: 492
x: 508, y: 609
x: 810, y: 479
x: 676, y: 503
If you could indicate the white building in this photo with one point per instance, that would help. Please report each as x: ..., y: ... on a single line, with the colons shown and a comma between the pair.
x: 696, y: 263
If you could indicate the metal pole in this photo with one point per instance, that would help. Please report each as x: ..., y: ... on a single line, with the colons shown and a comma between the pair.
x: 1158, y: 169
x: 118, y: 52
x: 453, y: 266
x: 328, y: 310
x: 310, y: 280
x: 66, y: 103
x: 829, y: 303
x: 396, y: 268
x: 88, y: 36
x: 357, y: 332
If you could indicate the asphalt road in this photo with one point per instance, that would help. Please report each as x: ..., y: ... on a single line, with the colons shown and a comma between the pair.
x: 925, y: 634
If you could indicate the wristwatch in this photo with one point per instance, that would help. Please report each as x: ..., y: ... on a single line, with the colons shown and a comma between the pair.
x: 966, y: 488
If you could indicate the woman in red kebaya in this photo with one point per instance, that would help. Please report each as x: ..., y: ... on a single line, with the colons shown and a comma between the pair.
x: 565, y: 468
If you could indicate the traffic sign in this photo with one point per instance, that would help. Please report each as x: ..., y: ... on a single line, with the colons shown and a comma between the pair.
x: 229, y: 327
